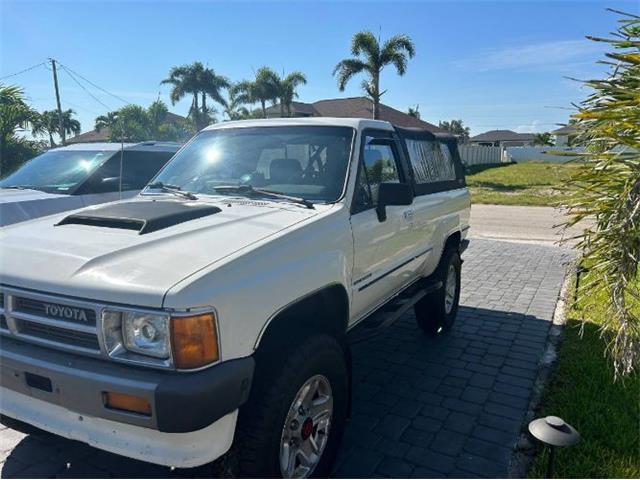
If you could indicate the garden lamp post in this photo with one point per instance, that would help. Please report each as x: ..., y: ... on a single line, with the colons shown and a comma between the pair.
x: 554, y: 432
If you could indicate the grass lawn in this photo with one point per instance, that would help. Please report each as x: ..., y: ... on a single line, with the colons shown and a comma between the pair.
x: 526, y: 183
x: 606, y: 414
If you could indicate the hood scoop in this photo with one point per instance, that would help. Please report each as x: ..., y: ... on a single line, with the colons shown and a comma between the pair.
x: 141, y: 216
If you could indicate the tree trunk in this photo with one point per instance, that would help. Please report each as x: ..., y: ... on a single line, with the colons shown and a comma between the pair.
x: 282, y: 108
x: 53, y: 144
x: 376, y: 96
x: 196, y: 107
x: 204, y: 103
x: 264, y: 108
x: 289, y: 109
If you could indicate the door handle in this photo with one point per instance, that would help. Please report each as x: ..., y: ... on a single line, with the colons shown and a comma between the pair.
x: 408, y: 215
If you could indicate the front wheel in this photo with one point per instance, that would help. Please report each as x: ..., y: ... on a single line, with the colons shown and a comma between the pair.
x: 293, y: 423
x: 436, y: 312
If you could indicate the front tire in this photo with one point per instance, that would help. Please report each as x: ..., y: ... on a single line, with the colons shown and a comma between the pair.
x: 295, y: 418
x: 436, y: 312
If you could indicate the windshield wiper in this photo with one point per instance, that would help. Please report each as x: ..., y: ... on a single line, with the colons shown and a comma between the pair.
x: 175, y: 189
x: 249, y: 189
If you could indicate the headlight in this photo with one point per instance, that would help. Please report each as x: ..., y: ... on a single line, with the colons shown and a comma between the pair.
x: 156, y: 339
x: 147, y: 334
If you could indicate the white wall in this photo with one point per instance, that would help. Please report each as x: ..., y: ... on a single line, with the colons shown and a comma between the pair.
x: 523, y: 154
x: 481, y: 155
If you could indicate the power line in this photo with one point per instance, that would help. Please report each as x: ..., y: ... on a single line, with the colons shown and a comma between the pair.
x: 85, y: 89
x: 23, y: 71
x: 95, y: 86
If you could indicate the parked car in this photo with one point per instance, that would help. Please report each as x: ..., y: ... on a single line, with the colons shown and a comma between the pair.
x: 215, y: 311
x: 79, y: 175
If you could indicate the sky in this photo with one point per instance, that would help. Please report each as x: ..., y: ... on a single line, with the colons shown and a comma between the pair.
x: 493, y: 64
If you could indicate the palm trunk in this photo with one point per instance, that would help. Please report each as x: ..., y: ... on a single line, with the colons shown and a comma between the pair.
x: 204, y: 103
x: 264, y: 108
x: 282, y: 108
x: 51, y: 140
x: 376, y: 96
x: 289, y: 109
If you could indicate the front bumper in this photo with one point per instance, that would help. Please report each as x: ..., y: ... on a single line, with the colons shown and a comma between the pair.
x: 182, y: 450
x: 180, y: 401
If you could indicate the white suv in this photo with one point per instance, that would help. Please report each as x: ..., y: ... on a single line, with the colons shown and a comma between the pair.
x: 215, y: 310
x: 79, y: 175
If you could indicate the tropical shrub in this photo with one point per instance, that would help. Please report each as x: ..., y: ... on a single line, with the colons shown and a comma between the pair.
x: 607, y: 190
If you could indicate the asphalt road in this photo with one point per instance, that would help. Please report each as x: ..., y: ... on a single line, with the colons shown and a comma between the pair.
x: 523, y: 224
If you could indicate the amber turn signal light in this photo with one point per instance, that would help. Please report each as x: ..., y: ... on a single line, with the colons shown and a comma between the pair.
x: 194, y: 340
x: 128, y: 403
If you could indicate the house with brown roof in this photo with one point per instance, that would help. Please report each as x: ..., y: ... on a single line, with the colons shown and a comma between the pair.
x: 503, y: 138
x: 354, y: 107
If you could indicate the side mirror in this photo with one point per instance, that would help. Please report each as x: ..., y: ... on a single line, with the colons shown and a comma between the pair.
x: 393, y: 194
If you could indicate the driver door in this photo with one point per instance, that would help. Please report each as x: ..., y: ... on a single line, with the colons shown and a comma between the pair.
x: 383, y: 249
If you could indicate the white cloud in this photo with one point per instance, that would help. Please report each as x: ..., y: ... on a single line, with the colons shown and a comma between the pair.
x: 533, y: 127
x: 542, y: 55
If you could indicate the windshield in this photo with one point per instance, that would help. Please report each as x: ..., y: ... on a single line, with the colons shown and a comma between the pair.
x: 300, y: 161
x: 56, y: 171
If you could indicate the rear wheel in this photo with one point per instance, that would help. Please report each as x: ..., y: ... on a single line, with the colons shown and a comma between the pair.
x: 436, y: 312
x: 293, y: 423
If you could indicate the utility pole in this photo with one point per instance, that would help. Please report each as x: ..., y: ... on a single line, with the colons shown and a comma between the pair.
x: 55, y: 85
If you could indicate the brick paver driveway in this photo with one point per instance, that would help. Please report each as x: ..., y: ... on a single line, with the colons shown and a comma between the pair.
x: 427, y: 407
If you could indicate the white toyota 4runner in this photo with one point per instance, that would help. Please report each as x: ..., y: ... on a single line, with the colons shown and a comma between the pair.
x: 216, y: 309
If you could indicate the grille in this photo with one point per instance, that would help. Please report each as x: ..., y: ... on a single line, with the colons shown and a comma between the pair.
x: 59, y: 335
x: 58, y: 311
x: 49, y: 321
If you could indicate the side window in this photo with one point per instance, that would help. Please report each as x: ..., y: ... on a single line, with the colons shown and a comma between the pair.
x: 137, y: 169
x: 431, y: 161
x: 379, y: 164
x: 140, y: 167
x: 104, y: 179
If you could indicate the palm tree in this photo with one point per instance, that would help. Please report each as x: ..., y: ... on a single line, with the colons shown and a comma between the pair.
x: 49, y: 123
x: 212, y: 86
x: 201, y: 82
x: 545, y: 139
x: 457, y: 128
x: 262, y: 89
x: 414, y: 112
x: 15, y: 115
x: 109, y: 120
x: 185, y: 80
x: 286, y: 88
x: 371, y: 59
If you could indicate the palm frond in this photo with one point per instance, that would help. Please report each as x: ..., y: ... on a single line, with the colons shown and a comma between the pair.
x: 366, y: 42
x: 346, y: 69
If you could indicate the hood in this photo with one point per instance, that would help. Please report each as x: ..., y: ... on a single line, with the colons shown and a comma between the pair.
x: 20, y: 205
x: 120, y: 265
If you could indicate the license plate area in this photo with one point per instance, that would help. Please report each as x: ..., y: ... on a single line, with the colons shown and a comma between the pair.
x: 38, y: 382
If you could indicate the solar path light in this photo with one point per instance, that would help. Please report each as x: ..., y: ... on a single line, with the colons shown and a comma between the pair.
x: 554, y: 432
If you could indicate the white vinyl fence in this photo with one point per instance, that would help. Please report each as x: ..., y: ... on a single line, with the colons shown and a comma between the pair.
x: 481, y: 155
x: 542, y: 154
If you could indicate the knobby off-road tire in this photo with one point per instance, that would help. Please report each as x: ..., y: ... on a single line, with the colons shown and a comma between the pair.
x: 270, y: 412
x: 436, y: 312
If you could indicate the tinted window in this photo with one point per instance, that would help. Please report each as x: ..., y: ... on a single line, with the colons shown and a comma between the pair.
x: 308, y: 162
x: 379, y: 164
x: 431, y: 161
x: 57, y: 171
x: 137, y: 168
